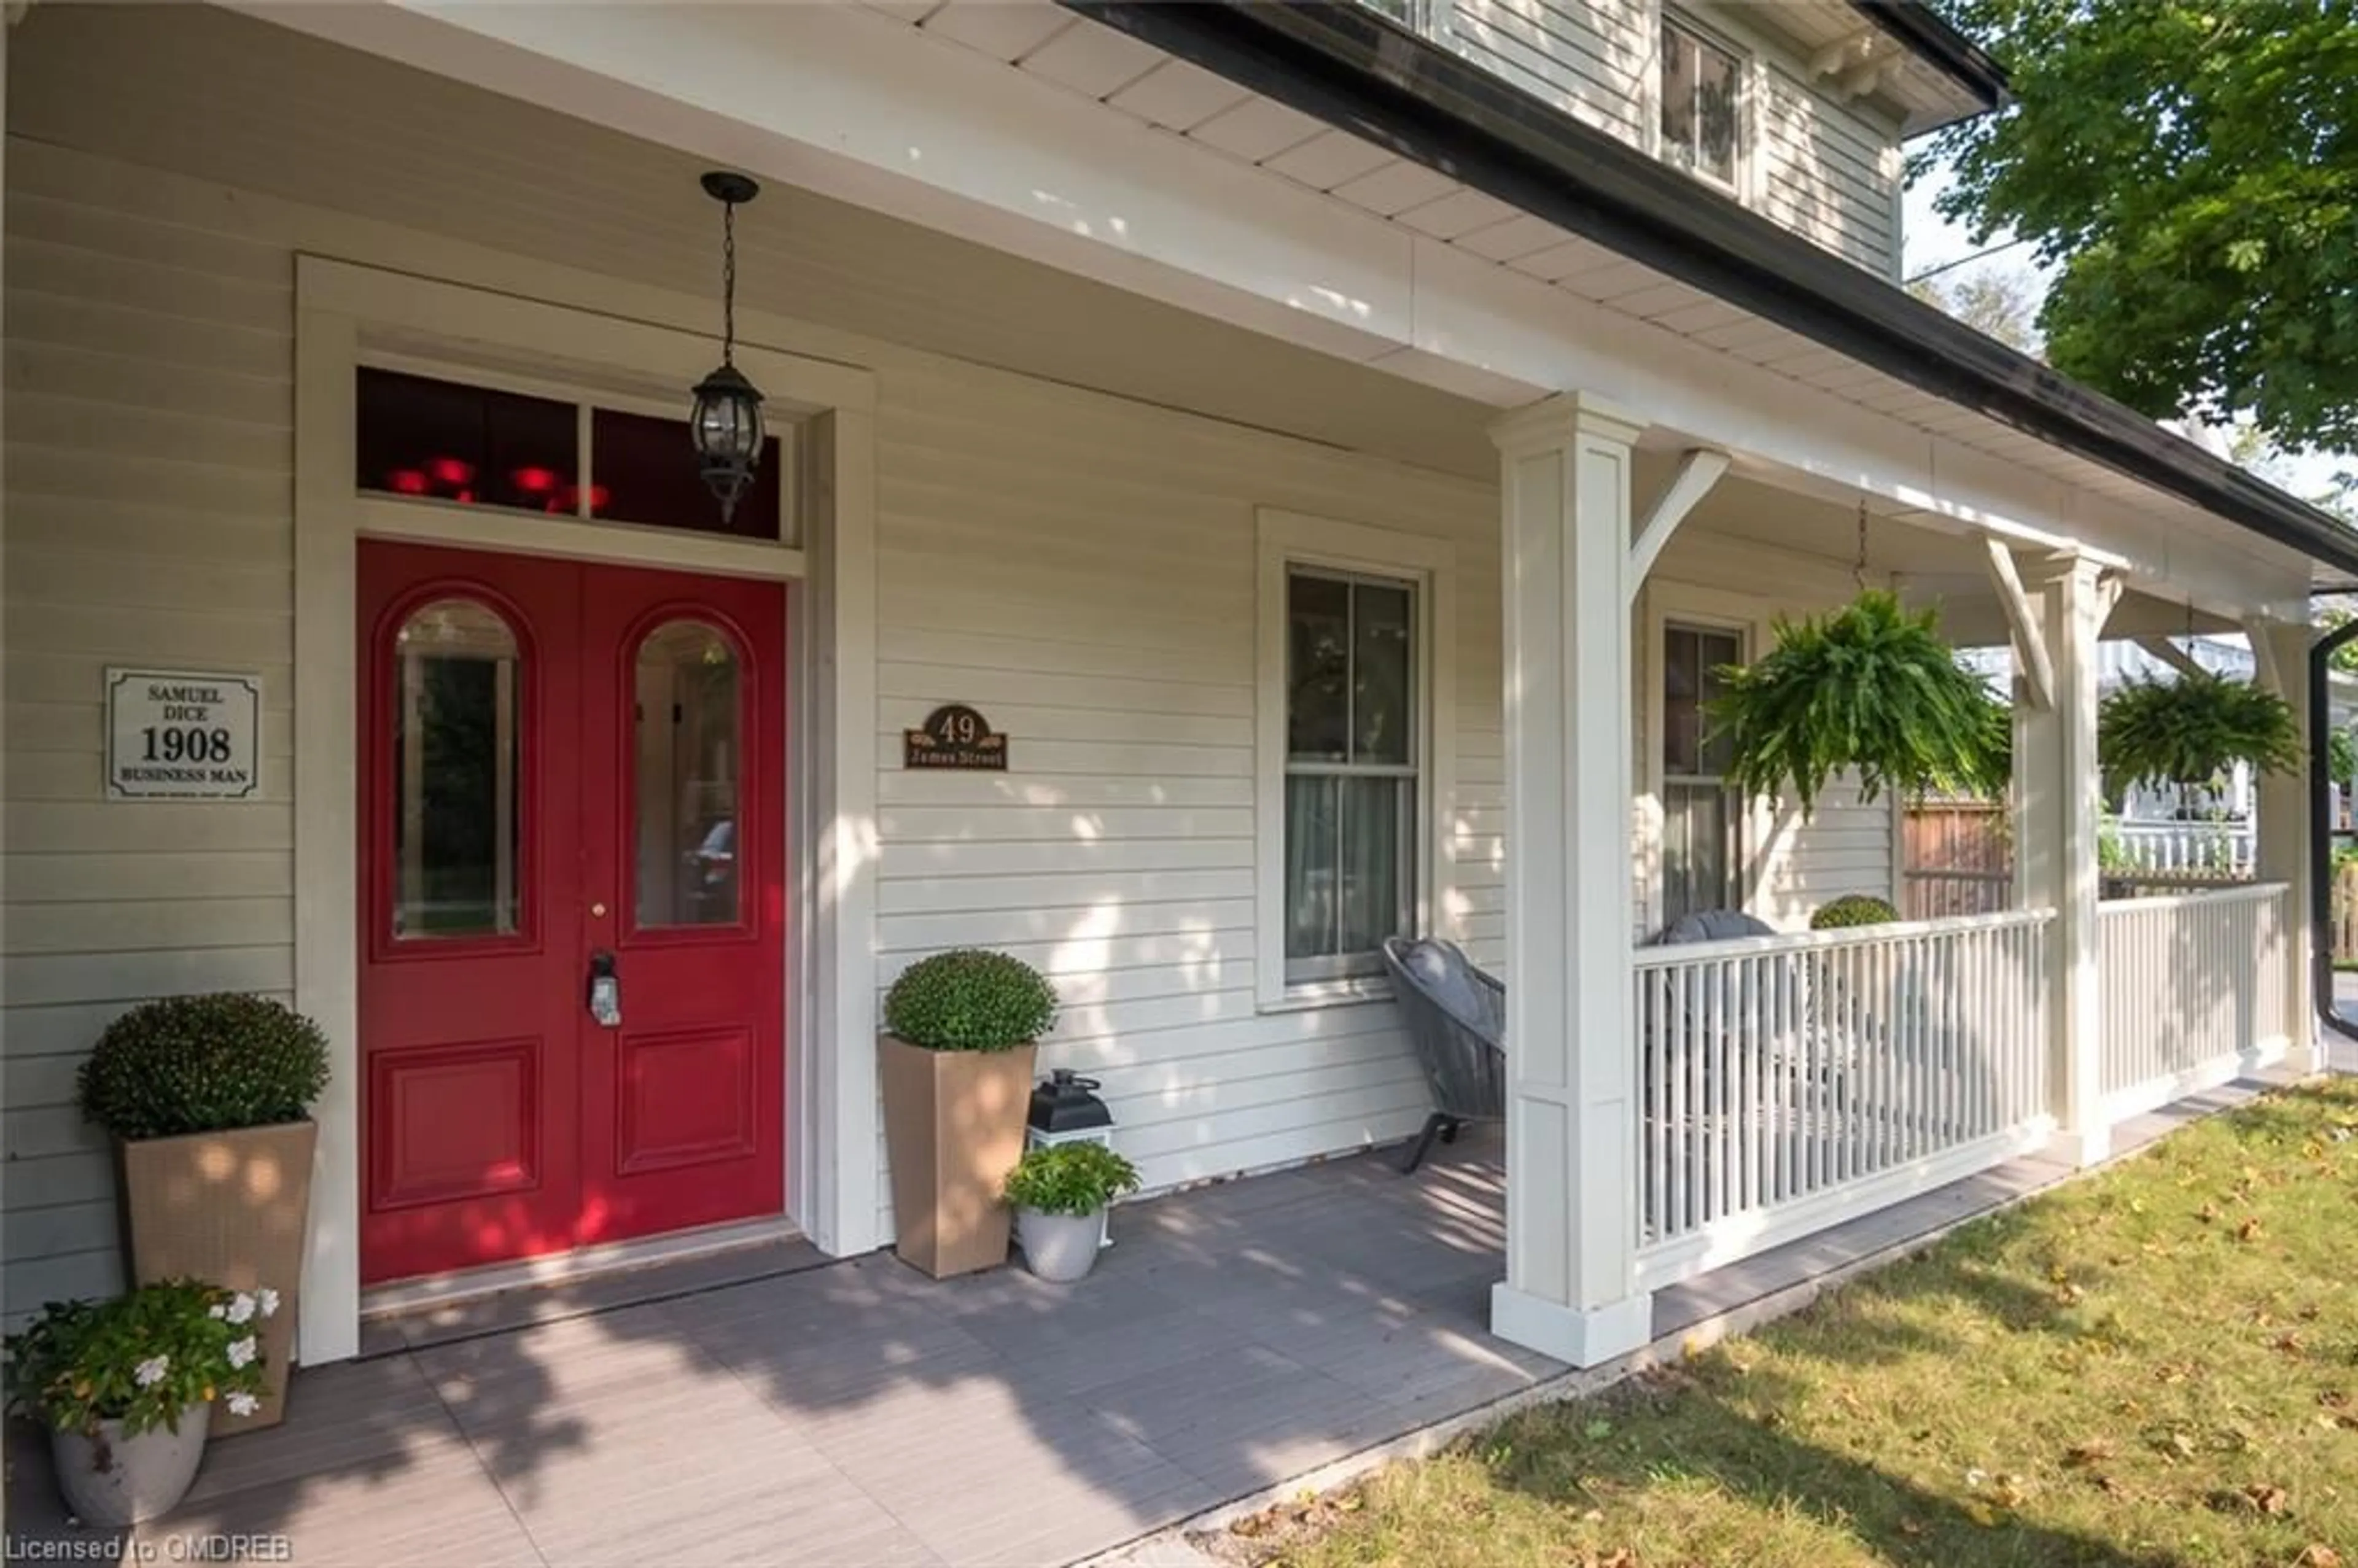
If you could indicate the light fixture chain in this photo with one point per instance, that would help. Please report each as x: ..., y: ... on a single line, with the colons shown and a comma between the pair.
x: 1859, y: 569
x: 728, y: 282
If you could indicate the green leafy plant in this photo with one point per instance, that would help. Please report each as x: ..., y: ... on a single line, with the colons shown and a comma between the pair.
x: 2192, y: 730
x: 1872, y: 688
x: 203, y: 1064
x: 1853, y: 909
x: 1070, y: 1179
x: 142, y: 1358
x: 968, y: 1000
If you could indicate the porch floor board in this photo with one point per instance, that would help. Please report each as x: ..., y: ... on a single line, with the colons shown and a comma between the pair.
x: 1234, y: 1338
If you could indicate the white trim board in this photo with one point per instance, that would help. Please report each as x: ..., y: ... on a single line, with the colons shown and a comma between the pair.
x: 342, y: 309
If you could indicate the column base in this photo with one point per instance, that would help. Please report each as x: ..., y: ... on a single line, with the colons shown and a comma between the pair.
x: 2083, y: 1149
x: 1584, y: 1336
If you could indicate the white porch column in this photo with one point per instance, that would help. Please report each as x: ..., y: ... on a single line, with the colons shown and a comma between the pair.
x: 1572, y: 1178
x: 2059, y: 796
x: 2282, y: 812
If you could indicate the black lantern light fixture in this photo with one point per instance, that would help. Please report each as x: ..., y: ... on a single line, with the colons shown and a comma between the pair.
x: 726, y: 421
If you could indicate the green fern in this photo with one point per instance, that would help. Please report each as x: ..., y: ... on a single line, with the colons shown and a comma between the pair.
x: 2192, y: 729
x: 1872, y: 688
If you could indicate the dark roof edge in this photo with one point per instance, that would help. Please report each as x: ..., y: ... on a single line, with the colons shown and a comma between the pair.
x: 1345, y: 65
x: 1934, y: 40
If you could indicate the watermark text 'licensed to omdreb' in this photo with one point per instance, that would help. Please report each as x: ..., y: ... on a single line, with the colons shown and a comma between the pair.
x: 188, y: 1546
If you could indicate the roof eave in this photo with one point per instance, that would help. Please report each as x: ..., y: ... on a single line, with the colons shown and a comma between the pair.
x: 1352, y: 68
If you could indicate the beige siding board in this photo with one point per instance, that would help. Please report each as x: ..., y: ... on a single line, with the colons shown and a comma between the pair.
x: 916, y: 825
x: 58, y: 1229
x: 1076, y: 928
x: 1174, y: 698
x: 925, y: 862
x: 906, y: 788
x: 38, y: 979
x: 63, y: 1030
x: 161, y: 924
x: 145, y: 827
x: 1034, y: 657
x: 33, y: 1281
x: 42, y: 1182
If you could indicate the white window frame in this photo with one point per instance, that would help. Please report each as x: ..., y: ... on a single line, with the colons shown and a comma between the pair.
x: 1289, y: 539
x: 1739, y: 183
x: 1669, y: 604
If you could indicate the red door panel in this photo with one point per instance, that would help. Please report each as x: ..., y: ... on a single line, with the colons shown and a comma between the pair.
x: 690, y: 841
x: 560, y: 760
x: 468, y: 908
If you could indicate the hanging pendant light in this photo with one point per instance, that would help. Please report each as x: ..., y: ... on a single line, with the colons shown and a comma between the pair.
x: 726, y: 419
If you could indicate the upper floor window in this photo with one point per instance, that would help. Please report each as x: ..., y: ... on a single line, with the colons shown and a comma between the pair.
x: 1701, y: 103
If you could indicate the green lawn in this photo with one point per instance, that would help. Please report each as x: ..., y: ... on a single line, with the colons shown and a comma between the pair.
x: 2156, y: 1365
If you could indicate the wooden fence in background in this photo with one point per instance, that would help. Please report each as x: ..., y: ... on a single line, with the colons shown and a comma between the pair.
x: 1956, y: 859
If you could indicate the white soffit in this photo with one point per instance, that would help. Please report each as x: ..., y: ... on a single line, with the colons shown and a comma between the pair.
x: 1351, y: 301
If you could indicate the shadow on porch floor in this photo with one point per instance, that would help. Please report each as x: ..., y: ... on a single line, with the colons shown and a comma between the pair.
x: 1237, y: 1336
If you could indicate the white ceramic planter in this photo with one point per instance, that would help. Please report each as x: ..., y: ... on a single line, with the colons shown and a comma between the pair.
x: 1060, y: 1248
x: 109, y: 1480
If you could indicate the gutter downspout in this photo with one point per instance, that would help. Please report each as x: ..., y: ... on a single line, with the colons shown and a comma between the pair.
x: 2320, y: 831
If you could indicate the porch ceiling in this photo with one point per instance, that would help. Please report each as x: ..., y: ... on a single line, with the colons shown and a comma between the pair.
x: 1451, y: 305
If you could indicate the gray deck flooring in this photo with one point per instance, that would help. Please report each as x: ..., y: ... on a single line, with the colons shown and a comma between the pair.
x: 861, y: 1414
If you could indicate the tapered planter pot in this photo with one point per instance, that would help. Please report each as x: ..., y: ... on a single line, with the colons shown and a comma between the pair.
x: 108, y: 1480
x: 953, y: 1128
x: 230, y: 1208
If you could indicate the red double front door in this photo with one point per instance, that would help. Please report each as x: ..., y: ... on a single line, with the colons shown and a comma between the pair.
x: 573, y: 852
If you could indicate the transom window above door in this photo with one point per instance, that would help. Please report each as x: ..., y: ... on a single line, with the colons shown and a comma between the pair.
x: 453, y: 442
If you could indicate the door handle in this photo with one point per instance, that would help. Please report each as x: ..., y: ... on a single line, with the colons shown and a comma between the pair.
x: 605, y: 990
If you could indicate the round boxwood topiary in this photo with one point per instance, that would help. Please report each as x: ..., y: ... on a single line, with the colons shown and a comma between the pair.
x: 1853, y: 909
x: 203, y: 1064
x: 968, y: 1000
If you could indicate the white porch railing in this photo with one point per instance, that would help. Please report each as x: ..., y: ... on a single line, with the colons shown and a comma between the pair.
x: 1785, y: 1083
x: 2195, y: 990
x: 2210, y: 848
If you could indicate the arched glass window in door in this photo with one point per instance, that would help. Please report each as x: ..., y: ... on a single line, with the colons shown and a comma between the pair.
x: 688, y: 754
x: 457, y: 755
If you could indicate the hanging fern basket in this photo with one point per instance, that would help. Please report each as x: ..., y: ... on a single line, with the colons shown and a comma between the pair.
x: 1870, y: 689
x: 2192, y: 730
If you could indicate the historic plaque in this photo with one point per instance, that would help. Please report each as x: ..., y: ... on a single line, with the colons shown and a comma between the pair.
x: 955, y: 736
x: 183, y: 735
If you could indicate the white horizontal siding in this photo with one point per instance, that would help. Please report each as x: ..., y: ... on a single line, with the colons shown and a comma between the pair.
x: 1828, y: 171
x: 150, y: 462
x: 1585, y: 57
x: 1082, y: 571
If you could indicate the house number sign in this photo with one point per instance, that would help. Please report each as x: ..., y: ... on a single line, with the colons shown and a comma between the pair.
x: 183, y: 735
x: 955, y: 736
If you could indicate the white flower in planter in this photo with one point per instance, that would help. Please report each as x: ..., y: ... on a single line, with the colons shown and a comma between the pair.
x: 240, y: 1307
x: 243, y: 1404
x: 243, y: 1352
x: 150, y: 1372
x: 219, y: 1310
x: 269, y: 1299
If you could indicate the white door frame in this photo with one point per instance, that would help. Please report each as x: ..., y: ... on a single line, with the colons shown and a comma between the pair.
x: 347, y: 315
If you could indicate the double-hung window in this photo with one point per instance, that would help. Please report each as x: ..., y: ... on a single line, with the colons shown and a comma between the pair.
x: 1703, y: 104
x: 1351, y: 796
x: 1700, y: 815
x: 1352, y: 625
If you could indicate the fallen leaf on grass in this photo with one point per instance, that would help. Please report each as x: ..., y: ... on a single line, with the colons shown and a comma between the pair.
x: 2290, y: 1344
x: 1910, y: 1528
x: 2317, y: 1554
x: 2087, y: 1455
x: 2248, y: 1231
